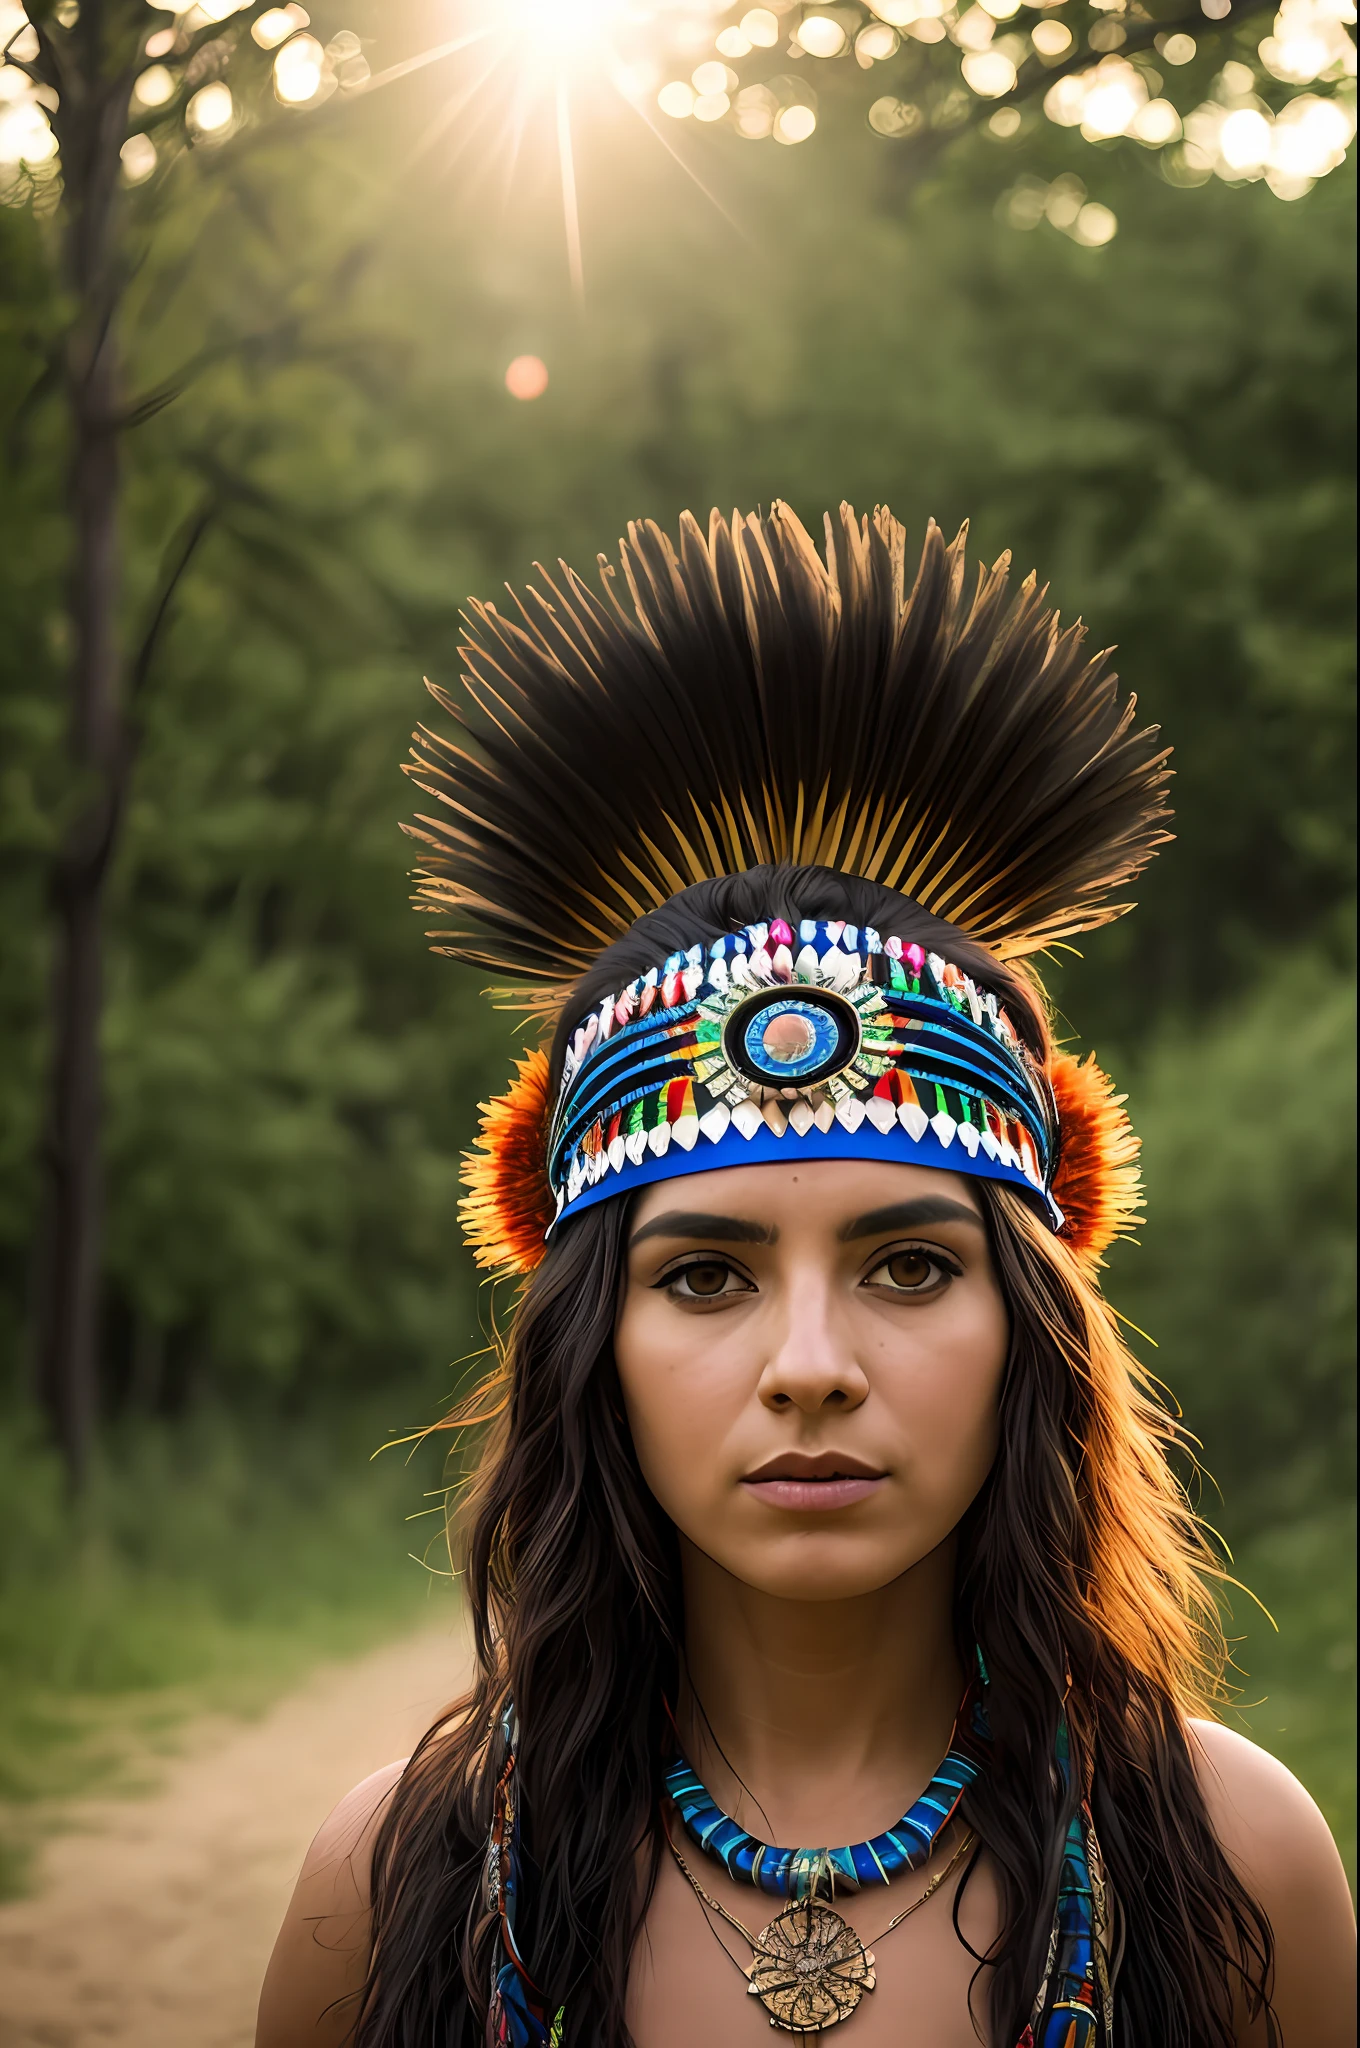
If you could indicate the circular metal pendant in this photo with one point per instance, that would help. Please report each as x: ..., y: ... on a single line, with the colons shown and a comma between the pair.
x: 810, y: 1969
x: 783, y: 1038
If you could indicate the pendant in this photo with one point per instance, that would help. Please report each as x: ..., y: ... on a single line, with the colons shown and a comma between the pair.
x: 810, y: 1969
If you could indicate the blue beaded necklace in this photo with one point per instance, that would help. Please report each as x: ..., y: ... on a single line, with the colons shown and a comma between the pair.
x: 802, y: 1873
x: 809, y: 1941
x: 809, y: 1968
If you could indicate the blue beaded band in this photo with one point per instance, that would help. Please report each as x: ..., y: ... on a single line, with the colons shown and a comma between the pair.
x: 797, y: 1873
x: 766, y: 1041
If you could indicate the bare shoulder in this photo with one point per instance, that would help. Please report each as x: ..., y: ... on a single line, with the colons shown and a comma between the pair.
x: 321, y: 1954
x: 1280, y: 1845
x: 1260, y: 1812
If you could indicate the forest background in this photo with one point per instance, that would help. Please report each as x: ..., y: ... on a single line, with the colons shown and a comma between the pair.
x: 1163, y: 426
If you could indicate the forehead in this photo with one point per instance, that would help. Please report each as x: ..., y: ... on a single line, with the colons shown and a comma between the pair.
x: 816, y: 1192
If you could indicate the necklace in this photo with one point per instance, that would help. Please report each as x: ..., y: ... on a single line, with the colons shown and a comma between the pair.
x: 1073, y: 2004
x: 802, y: 1873
x: 809, y: 1968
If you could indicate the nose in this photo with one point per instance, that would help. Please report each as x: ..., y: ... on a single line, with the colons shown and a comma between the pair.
x: 812, y: 1365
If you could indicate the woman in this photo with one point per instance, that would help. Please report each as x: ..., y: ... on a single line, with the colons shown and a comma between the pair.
x: 821, y: 1503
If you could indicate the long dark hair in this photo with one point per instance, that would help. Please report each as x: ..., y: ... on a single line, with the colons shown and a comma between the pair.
x: 1082, y: 1575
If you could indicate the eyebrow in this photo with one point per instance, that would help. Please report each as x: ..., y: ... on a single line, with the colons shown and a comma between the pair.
x: 909, y: 1216
x: 695, y: 1223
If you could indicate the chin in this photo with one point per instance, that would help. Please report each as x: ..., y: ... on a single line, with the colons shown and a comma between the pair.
x: 809, y: 1567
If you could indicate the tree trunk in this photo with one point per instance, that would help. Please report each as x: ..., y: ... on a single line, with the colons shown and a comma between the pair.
x: 90, y: 123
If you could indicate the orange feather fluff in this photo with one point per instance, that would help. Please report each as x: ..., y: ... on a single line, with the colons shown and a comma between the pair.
x: 508, y: 1205
x: 1098, y: 1185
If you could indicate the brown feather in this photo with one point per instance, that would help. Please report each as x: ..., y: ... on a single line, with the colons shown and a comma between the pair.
x: 736, y: 699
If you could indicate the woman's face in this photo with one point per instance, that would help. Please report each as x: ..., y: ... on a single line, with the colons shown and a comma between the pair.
x: 811, y: 1360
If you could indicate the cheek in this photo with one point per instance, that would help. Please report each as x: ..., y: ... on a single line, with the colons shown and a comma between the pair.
x: 944, y: 1391
x: 683, y: 1393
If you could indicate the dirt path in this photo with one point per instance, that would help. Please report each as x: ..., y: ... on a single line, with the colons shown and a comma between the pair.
x: 153, y: 1918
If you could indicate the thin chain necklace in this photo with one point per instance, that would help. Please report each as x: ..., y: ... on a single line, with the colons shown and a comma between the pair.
x: 809, y: 1968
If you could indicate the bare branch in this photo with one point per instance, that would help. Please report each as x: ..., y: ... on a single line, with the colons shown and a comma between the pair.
x: 47, y: 68
x: 164, y: 394
x: 143, y: 409
x: 182, y: 550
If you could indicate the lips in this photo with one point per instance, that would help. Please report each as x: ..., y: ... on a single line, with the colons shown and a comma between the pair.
x: 814, y: 1465
x: 801, y: 1482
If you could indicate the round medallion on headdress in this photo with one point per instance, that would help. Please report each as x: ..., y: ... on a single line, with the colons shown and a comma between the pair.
x: 781, y: 1040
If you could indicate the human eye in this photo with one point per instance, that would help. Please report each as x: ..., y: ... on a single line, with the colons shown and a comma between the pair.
x: 703, y: 1282
x: 913, y: 1270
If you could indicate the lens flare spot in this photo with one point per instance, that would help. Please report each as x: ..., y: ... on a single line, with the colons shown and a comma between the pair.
x: 298, y: 70
x: 154, y: 87
x: 794, y: 124
x: 211, y: 109
x: 276, y: 24
x: 527, y: 377
x: 821, y: 35
x: 760, y: 28
x: 676, y: 99
x: 138, y: 157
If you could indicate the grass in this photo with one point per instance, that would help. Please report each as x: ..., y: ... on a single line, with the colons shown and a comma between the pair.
x: 204, y: 1571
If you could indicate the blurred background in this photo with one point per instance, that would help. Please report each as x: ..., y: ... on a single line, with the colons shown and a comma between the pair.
x: 369, y: 365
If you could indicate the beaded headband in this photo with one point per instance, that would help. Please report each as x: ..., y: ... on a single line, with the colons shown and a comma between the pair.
x: 829, y: 1042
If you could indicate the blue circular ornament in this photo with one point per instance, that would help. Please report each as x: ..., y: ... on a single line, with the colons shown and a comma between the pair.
x: 782, y: 1040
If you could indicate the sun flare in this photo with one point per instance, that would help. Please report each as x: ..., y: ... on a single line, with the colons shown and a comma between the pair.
x: 561, y: 33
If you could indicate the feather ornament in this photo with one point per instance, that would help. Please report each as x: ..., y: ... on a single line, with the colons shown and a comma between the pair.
x: 509, y: 1204
x: 1098, y: 1184
x: 736, y: 698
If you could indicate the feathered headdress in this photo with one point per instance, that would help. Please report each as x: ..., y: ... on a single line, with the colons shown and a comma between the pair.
x: 752, y: 702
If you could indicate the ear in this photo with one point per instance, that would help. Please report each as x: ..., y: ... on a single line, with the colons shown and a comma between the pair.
x: 509, y: 1207
x: 1098, y: 1185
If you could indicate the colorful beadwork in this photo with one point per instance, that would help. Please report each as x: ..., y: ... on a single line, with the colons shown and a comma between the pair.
x: 801, y: 1873
x: 1073, y: 2007
x: 517, y: 2016
x: 822, y: 1032
x: 868, y: 1049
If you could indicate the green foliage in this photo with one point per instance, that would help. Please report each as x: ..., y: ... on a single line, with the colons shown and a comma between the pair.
x: 1245, y: 1279
x: 1245, y: 1276
x: 260, y: 1068
x: 1162, y: 426
x: 1296, y: 1680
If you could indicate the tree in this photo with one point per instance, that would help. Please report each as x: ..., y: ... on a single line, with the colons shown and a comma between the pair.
x: 104, y: 86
